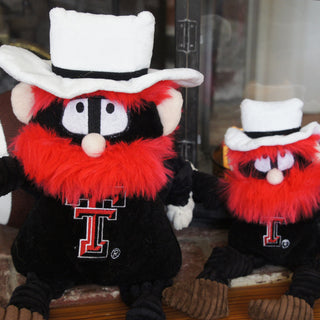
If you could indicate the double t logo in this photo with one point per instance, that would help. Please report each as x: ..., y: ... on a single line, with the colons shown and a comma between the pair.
x: 272, y: 238
x: 94, y: 245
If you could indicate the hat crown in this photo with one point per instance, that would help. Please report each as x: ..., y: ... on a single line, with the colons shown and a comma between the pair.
x: 83, y: 41
x: 91, y: 52
x: 269, y: 124
x: 271, y: 116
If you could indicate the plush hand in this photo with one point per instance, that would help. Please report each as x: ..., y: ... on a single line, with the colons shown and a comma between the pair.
x: 181, y: 216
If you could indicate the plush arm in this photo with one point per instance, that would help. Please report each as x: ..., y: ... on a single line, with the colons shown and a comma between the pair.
x: 180, y: 185
x: 205, y: 189
x: 11, y: 175
x: 178, y: 194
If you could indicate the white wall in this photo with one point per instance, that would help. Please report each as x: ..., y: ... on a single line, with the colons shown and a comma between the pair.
x: 286, y: 51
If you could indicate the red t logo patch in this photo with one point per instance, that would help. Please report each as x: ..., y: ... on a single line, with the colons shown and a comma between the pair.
x: 272, y: 238
x: 94, y: 245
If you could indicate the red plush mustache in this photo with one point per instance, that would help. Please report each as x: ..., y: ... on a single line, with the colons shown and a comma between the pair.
x: 255, y: 200
x: 64, y: 171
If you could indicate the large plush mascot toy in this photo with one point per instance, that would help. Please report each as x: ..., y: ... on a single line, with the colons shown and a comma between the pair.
x: 97, y: 152
x: 273, y: 192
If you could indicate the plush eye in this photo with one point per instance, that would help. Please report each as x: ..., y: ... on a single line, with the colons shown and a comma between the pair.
x: 75, y: 116
x: 80, y: 107
x: 110, y: 107
x: 285, y: 160
x: 263, y: 164
x: 114, y: 118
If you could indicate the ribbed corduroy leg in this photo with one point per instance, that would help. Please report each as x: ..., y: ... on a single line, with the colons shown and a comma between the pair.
x: 29, y: 301
x: 201, y: 298
x: 296, y: 304
x: 207, y: 296
x: 14, y: 313
x: 305, y: 284
x: 227, y: 263
x: 286, y: 308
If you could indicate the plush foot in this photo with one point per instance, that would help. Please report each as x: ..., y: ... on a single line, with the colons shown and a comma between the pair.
x: 285, y: 308
x: 34, y: 295
x: 13, y: 313
x: 146, y: 308
x: 201, y: 298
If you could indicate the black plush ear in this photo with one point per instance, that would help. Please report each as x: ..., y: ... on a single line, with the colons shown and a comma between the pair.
x: 22, y: 100
x: 170, y: 111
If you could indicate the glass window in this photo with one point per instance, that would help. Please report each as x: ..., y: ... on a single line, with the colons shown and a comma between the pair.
x: 258, y: 49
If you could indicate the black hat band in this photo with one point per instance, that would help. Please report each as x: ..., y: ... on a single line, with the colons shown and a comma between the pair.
x: 259, y: 134
x: 74, y: 74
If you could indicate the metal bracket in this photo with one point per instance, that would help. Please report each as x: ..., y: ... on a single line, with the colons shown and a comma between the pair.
x: 186, y: 35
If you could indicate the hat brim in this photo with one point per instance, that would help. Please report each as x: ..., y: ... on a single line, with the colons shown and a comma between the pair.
x: 24, y: 66
x: 236, y: 139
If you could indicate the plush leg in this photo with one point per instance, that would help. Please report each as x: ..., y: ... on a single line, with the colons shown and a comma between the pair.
x: 144, y: 300
x: 296, y: 304
x: 14, y: 313
x: 199, y: 298
x: 287, y: 307
x: 206, y: 297
x: 30, y: 301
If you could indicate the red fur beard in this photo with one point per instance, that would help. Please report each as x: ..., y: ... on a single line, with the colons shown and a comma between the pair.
x: 257, y: 201
x: 64, y: 171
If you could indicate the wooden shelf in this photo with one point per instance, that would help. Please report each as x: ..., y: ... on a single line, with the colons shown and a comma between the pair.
x: 238, y: 306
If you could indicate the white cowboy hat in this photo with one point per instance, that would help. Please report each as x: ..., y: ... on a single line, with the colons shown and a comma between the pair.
x: 269, y: 124
x: 91, y: 52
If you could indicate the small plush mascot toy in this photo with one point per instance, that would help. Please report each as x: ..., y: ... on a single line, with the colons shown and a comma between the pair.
x: 97, y: 151
x: 273, y: 192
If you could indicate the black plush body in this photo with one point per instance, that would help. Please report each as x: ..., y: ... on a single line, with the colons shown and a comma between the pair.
x: 272, y: 191
x: 123, y: 240
x: 141, y: 238
x: 292, y: 245
x: 251, y: 245
x: 141, y: 250
x: 97, y: 151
